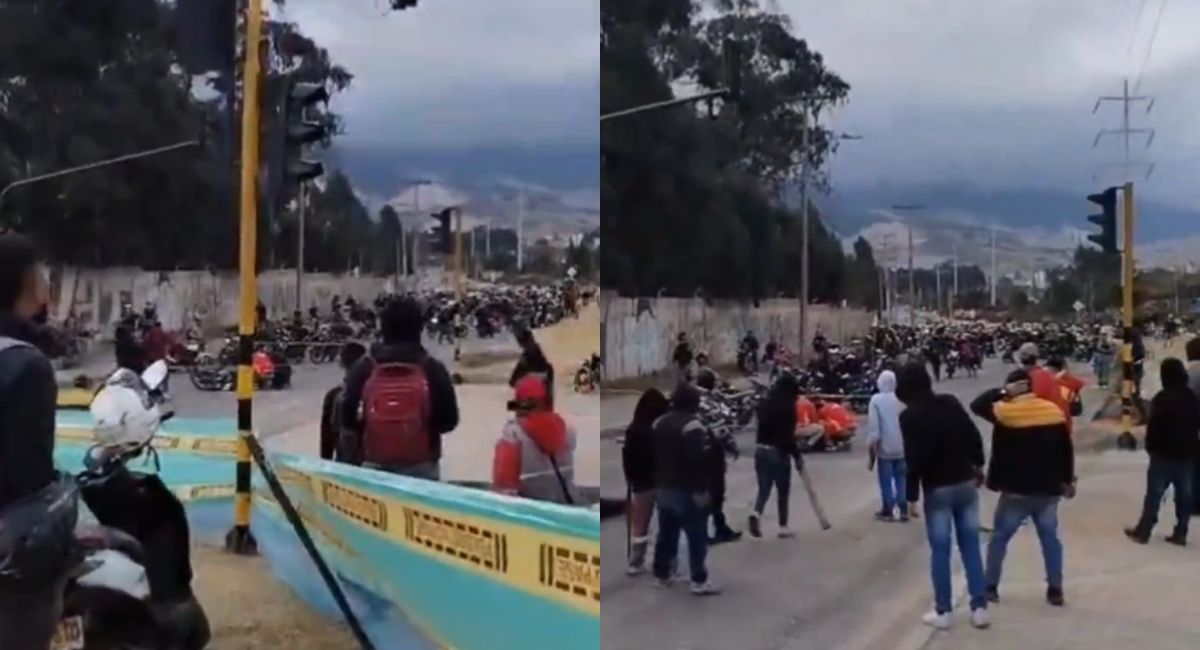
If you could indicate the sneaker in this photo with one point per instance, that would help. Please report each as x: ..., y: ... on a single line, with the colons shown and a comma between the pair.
x: 1054, y: 596
x: 755, y: 526
x: 1176, y: 539
x: 723, y: 536
x: 664, y: 583
x: 1136, y: 536
x: 883, y: 516
x: 980, y: 619
x: 634, y: 570
x: 992, y: 594
x: 708, y: 588
x: 904, y: 517
x: 785, y: 533
x: 937, y: 621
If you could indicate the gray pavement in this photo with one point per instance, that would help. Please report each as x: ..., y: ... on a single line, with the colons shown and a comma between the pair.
x: 862, y: 584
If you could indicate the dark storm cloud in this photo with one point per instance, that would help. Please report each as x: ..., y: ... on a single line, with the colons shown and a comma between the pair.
x: 1001, y: 93
x: 463, y: 72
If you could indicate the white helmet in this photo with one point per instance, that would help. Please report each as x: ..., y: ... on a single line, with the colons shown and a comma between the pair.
x: 123, y: 411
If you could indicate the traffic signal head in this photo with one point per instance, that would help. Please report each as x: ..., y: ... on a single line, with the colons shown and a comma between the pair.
x: 1106, y: 239
x: 442, y: 231
x: 302, y: 94
x: 301, y: 169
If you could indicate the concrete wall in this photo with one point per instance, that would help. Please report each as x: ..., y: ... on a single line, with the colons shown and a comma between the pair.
x: 95, y: 295
x: 638, y: 334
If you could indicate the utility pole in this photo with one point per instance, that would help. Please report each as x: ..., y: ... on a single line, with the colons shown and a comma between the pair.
x: 803, y: 349
x: 912, y: 293
x: 937, y: 283
x: 954, y: 296
x: 993, y: 282
x: 521, y: 231
x: 1127, y: 164
x: 303, y: 199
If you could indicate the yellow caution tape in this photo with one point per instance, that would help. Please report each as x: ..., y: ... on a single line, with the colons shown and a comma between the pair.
x: 162, y: 442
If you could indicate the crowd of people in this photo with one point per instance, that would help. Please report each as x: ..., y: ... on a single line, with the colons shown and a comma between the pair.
x: 924, y: 446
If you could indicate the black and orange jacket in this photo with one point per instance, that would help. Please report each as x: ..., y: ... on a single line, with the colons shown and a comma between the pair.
x: 1032, y: 454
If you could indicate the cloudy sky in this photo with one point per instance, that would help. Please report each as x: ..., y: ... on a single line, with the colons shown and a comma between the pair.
x: 463, y: 72
x: 1000, y: 92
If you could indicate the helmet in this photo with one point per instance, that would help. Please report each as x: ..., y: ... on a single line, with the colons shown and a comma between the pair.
x: 123, y: 411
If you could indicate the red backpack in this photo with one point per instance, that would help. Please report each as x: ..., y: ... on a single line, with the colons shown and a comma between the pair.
x: 396, y: 412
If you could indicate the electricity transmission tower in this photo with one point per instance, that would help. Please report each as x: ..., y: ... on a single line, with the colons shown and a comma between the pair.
x: 1126, y: 131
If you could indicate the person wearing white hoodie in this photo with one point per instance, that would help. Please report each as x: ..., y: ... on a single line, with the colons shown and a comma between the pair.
x: 886, y: 447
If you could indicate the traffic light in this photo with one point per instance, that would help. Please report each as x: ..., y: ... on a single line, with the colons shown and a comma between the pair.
x: 443, y: 235
x: 301, y: 132
x: 1106, y: 239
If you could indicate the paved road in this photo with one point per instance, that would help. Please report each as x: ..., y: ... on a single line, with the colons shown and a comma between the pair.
x: 862, y: 584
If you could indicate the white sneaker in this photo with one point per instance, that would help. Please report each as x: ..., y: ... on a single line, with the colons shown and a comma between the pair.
x: 786, y: 532
x: 664, y: 583
x: 708, y: 588
x: 634, y: 570
x: 980, y: 619
x: 937, y: 621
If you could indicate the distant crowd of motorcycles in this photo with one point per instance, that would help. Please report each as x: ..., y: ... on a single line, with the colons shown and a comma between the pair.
x: 847, y: 374
x: 318, y: 336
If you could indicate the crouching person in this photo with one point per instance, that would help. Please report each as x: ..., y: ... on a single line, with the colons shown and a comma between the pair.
x: 535, y: 455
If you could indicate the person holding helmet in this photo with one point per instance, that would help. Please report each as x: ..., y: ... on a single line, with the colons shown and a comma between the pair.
x: 535, y: 455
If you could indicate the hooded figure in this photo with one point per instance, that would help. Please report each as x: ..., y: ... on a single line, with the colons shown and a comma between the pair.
x: 535, y: 455
x: 887, y: 447
x: 637, y: 457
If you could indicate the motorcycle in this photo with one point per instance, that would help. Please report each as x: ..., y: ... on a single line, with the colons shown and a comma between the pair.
x: 132, y: 588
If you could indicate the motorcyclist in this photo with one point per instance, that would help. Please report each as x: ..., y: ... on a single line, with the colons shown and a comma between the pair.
x: 683, y: 357
x: 748, y: 355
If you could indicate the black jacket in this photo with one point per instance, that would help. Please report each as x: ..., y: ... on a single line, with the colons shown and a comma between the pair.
x: 1032, y: 454
x: 532, y: 360
x: 28, y: 404
x: 637, y: 456
x: 942, y: 445
x: 1173, y: 429
x: 777, y: 421
x: 443, y: 413
x: 682, y: 453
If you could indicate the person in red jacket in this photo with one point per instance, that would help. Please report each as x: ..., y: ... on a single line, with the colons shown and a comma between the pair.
x: 1043, y: 381
x: 1069, y: 386
x: 535, y: 455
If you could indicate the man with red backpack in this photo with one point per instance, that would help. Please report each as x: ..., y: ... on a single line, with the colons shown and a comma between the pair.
x: 400, y: 400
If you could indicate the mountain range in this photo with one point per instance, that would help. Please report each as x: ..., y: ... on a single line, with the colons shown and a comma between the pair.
x: 557, y: 185
x: 1035, y: 227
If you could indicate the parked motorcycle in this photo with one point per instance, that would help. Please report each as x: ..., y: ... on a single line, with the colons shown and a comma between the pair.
x: 133, y: 588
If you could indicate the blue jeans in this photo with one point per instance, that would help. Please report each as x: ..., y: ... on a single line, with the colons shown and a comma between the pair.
x: 1011, y: 511
x: 773, y: 469
x: 957, y: 505
x: 678, y: 512
x: 1162, y: 473
x: 893, y: 474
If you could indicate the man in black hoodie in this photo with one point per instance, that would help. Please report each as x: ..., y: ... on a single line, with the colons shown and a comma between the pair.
x: 1172, y: 437
x: 400, y: 325
x: 682, y: 469
x: 30, y: 605
x: 944, y: 455
x: 1033, y: 467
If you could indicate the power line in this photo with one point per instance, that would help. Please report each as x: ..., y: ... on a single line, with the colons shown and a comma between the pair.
x: 1150, y: 47
x: 1137, y: 22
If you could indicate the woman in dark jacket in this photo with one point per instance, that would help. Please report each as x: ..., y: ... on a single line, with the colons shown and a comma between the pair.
x: 637, y: 459
x: 1172, y: 438
x: 775, y: 450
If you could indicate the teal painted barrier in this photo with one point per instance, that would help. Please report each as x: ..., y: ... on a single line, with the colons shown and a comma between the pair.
x: 426, y: 565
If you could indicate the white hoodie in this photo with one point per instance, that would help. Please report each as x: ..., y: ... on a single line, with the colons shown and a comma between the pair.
x: 883, y: 418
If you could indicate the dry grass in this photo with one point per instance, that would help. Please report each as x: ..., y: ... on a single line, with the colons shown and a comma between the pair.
x: 249, y: 609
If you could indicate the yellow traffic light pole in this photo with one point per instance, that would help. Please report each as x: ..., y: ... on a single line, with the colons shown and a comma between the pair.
x: 1126, y: 439
x: 240, y: 539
